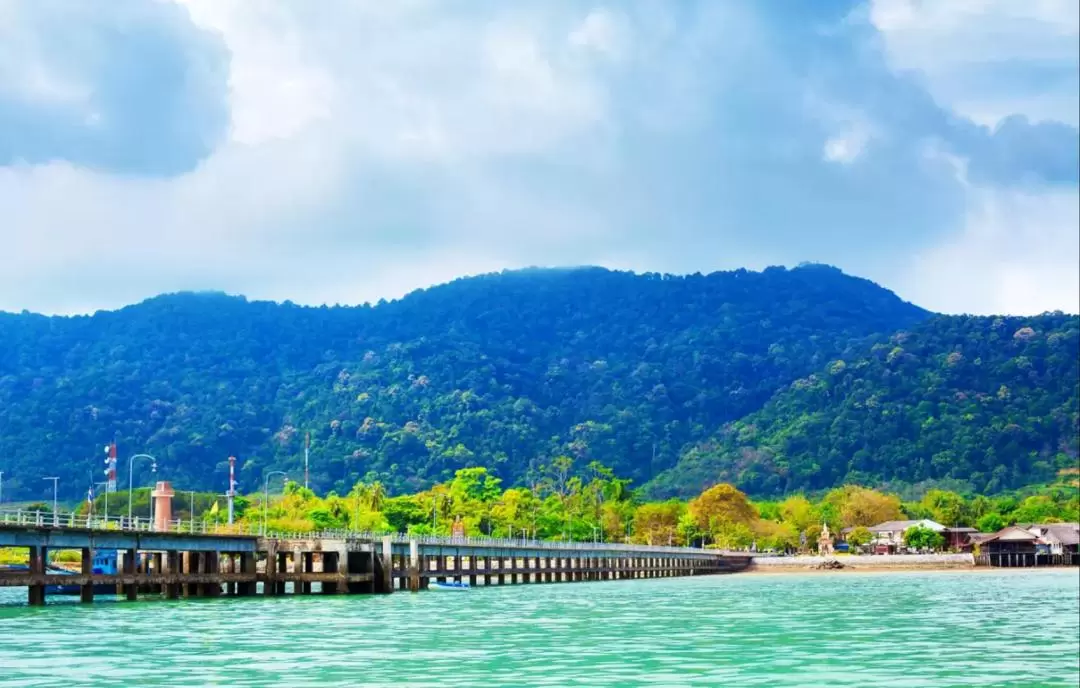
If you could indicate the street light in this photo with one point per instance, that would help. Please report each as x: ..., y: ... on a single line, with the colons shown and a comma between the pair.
x: 434, y: 511
x: 1, y: 487
x: 191, y: 511
x: 153, y: 468
x: 106, y: 484
x: 55, y: 485
x: 266, y: 494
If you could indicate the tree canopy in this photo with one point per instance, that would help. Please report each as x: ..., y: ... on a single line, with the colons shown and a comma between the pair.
x: 777, y: 382
x: 990, y: 403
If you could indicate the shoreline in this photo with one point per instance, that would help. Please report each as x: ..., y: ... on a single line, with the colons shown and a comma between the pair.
x: 889, y: 563
x: 799, y: 571
x: 782, y: 570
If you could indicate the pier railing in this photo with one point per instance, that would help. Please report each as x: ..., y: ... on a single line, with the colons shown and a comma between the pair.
x: 61, y: 520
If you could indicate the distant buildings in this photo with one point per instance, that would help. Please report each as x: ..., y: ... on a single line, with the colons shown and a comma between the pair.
x: 1028, y: 544
x: 889, y: 536
x: 1024, y: 544
x: 1031, y: 544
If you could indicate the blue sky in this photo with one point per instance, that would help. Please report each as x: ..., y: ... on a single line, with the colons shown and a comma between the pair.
x: 343, y: 151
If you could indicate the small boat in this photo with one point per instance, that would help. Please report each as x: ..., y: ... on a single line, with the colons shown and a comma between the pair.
x: 104, y: 563
x: 450, y: 585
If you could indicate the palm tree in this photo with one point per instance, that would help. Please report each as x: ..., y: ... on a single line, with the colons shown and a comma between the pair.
x: 376, y: 496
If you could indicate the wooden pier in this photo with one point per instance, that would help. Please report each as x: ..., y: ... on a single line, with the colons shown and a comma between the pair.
x: 208, y: 565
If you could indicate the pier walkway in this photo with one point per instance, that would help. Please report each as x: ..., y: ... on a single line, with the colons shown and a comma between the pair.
x: 184, y: 560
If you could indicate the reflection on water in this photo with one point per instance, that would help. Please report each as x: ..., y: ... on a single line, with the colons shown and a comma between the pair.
x: 902, y: 629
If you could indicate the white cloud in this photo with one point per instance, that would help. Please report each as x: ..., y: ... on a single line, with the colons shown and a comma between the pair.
x: 1016, y: 253
x: 277, y: 88
x: 846, y: 147
x: 987, y: 59
x: 376, y: 147
x: 411, y: 79
x: 603, y: 31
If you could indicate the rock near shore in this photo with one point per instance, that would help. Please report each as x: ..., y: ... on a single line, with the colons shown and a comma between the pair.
x: 827, y: 565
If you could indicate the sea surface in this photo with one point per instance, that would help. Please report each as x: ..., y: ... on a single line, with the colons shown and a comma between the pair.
x: 850, y: 629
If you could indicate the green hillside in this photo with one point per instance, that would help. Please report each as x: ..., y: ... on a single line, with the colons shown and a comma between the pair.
x: 506, y: 371
x: 987, y: 402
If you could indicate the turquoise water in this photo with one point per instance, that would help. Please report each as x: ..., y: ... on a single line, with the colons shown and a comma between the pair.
x: 854, y: 629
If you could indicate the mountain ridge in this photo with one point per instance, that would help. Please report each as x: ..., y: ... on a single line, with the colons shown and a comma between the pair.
x: 505, y: 370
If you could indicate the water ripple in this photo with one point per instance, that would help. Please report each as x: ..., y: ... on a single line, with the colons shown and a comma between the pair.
x: 904, y: 629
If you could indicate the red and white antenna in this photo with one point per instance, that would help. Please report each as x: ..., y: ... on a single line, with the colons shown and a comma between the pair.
x: 110, y: 467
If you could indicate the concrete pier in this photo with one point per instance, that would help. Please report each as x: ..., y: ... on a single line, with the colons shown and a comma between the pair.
x: 179, y: 565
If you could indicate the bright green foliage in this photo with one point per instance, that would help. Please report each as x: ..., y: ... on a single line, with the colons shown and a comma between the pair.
x: 947, y: 508
x: 597, y: 506
x: 988, y: 402
x: 1036, y: 509
x: 990, y: 523
x: 920, y: 537
x: 859, y: 536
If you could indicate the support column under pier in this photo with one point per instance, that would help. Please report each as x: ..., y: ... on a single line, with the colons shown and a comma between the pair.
x: 131, y: 590
x: 36, y: 593
x: 299, y: 566
x: 86, y: 591
x: 270, y: 570
x: 230, y: 568
x: 385, y: 567
x: 414, y: 566
x: 172, y: 566
x: 248, y: 568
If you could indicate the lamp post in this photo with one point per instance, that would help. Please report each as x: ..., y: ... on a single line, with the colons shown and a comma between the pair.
x: 106, y: 484
x: 434, y: 511
x: 153, y: 469
x: 266, y: 494
x: 1, y: 487
x: 55, y: 485
x: 191, y: 511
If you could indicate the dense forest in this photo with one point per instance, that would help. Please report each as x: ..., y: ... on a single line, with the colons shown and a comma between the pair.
x: 987, y: 403
x: 683, y: 381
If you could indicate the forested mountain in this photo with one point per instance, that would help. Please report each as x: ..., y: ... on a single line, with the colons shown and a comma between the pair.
x: 506, y: 371
x: 777, y: 381
x: 987, y: 401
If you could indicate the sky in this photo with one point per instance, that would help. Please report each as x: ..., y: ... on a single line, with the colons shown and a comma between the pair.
x: 350, y: 150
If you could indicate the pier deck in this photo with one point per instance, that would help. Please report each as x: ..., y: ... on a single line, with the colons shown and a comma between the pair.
x: 208, y: 565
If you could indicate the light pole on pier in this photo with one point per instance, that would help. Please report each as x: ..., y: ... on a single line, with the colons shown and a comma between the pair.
x: 307, y: 452
x: 55, y: 485
x: 231, y: 494
x: 153, y: 469
x: 191, y: 511
x: 106, y: 484
x: 266, y: 494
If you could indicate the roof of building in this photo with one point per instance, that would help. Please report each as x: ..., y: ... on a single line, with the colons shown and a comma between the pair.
x: 893, y: 526
x: 962, y: 529
x: 1061, y: 534
x: 1011, y: 534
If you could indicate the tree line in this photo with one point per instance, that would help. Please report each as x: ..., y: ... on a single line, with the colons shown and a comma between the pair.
x: 590, y: 503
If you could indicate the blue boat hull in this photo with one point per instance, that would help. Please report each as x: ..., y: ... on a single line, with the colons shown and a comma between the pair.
x: 104, y: 564
x: 448, y: 586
